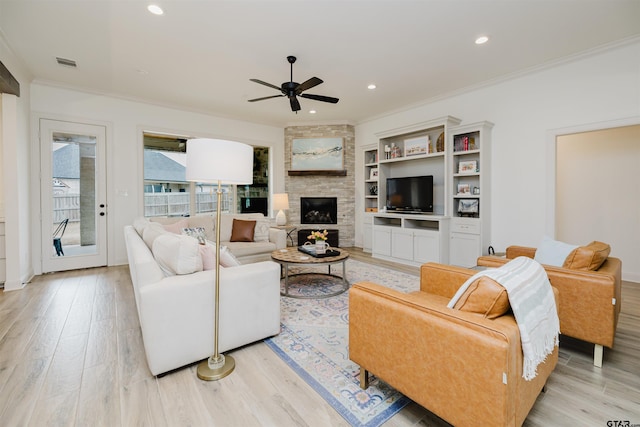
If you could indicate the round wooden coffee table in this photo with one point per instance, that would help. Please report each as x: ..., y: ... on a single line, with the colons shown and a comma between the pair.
x: 293, y: 257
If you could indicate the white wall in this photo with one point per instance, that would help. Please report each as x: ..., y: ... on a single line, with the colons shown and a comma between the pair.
x: 600, y: 87
x: 596, y: 191
x: 15, y: 175
x: 125, y: 121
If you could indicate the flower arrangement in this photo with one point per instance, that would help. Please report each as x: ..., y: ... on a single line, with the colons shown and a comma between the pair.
x: 318, y: 235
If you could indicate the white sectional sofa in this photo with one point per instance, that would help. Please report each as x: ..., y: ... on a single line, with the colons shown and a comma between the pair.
x: 267, y: 239
x: 176, y: 312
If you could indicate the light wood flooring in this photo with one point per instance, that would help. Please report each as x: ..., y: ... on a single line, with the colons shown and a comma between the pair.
x: 71, y: 355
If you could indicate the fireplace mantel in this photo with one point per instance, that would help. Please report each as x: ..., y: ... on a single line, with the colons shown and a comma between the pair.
x: 319, y: 172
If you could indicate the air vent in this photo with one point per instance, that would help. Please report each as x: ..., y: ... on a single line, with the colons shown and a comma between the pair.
x: 66, y: 62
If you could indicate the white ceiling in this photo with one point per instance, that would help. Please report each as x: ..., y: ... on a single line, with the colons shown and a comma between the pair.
x: 201, y: 54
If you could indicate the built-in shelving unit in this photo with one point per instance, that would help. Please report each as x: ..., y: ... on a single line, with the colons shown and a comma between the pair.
x: 415, y: 150
x: 457, y: 157
x: 469, y: 183
x: 371, y: 178
x: 371, y: 186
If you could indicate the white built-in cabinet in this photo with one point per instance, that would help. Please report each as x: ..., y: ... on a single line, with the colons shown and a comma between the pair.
x: 458, y: 158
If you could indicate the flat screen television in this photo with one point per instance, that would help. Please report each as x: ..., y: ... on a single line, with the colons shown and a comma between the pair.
x: 413, y: 194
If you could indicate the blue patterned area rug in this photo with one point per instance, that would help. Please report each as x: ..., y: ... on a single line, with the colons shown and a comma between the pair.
x: 314, y: 341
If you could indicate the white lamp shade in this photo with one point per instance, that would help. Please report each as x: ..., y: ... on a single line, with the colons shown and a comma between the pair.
x: 280, y: 201
x: 217, y: 160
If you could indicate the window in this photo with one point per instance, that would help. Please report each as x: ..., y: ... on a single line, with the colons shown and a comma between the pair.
x: 168, y: 193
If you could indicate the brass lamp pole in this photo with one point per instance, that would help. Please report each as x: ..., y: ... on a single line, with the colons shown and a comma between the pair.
x: 216, y: 160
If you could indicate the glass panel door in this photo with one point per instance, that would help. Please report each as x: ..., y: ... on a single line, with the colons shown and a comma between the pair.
x: 73, y: 195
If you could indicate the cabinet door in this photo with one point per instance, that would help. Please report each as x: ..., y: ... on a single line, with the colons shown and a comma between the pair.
x: 382, y: 241
x: 426, y: 246
x: 465, y: 249
x: 402, y: 244
x: 367, y: 238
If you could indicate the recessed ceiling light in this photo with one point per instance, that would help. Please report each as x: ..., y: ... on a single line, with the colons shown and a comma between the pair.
x: 371, y: 86
x: 312, y: 111
x: 155, y: 9
x: 482, y: 40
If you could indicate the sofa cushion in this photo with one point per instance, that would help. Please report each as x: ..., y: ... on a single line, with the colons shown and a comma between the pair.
x: 151, y: 232
x: 484, y: 296
x: 589, y: 257
x: 177, y: 254
x: 176, y: 227
x: 242, y: 231
x: 553, y: 252
x: 205, y: 222
x: 242, y: 249
x: 226, y: 223
x: 261, y: 233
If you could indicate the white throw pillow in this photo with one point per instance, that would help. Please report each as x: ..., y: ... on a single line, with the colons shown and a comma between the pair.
x: 177, y: 254
x: 261, y: 232
x: 208, y: 253
x: 227, y: 259
x: 140, y: 224
x: 553, y: 252
x: 151, y: 231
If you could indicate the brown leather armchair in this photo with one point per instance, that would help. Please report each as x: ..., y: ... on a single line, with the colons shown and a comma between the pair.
x: 463, y: 367
x: 589, y: 301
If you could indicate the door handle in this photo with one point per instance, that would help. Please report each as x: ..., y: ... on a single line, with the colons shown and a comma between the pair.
x: 102, y: 205
x: 101, y: 213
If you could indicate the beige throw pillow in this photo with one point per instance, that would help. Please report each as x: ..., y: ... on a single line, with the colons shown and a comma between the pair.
x: 261, y: 233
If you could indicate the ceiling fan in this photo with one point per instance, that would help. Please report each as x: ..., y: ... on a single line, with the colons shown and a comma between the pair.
x: 292, y: 89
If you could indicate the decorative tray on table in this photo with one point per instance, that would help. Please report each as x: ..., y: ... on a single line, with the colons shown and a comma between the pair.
x: 311, y: 250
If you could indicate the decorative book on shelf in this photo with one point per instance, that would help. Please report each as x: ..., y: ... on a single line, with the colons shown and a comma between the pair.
x: 464, y: 143
x: 311, y: 250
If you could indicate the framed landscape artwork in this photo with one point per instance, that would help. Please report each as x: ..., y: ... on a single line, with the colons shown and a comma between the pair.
x: 317, y: 154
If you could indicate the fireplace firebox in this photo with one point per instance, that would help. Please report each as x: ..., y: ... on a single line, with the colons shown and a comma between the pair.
x: 318, y: 210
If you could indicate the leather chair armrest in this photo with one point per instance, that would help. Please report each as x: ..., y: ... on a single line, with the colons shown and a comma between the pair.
x: 516, y: 251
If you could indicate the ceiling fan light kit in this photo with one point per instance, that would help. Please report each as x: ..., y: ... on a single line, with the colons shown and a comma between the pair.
x: 293, y: 89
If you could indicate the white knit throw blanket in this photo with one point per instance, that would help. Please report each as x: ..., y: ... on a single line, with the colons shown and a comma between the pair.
x: 534, y: 308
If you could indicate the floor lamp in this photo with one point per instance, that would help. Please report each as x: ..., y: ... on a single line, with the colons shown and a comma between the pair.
x: 218, y: 161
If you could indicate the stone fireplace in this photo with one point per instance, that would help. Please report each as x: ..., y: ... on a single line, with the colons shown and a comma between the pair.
x: 340, y: 189
x: 318, y: 210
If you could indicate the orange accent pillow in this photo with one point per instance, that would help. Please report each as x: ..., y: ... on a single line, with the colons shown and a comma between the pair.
x: 484, y: 296
x: 589, y: 257
x: 242, y: 231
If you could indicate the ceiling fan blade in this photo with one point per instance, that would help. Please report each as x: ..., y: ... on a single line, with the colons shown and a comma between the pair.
x: 265, y: 83
x: 320, y: 98
x: 265, y: 97
x: 312, y: 82
x: 295, y: 105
